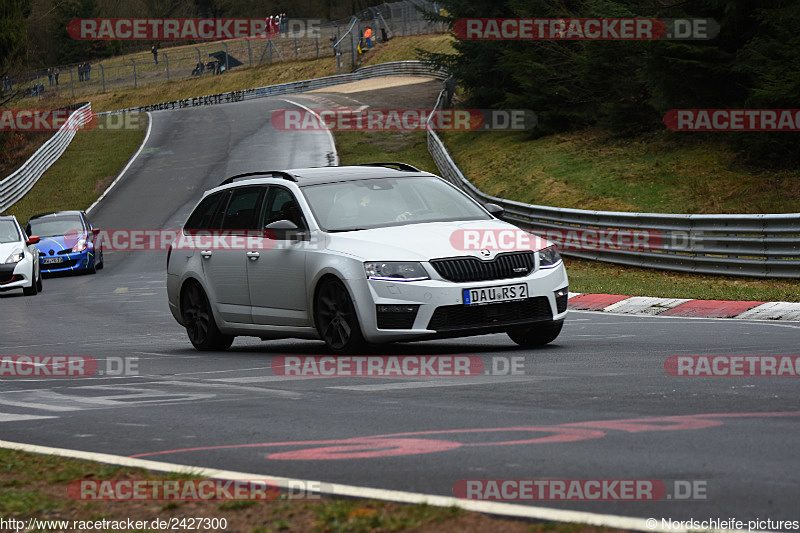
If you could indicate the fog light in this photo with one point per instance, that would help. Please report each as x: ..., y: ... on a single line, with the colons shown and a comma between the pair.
x: 562, y: 299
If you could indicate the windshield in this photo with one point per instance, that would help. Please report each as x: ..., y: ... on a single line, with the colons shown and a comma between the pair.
x: 55, y: 226
x: 381, y: 202
x: 8, y: 231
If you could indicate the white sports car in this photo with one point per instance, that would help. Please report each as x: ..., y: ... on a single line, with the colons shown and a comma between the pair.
x: 19, y: 259
x: 355, y: 255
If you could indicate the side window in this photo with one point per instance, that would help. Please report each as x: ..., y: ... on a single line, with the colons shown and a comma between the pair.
x: 203, y: 215
x: 243, y: 208
x: 281, y: 205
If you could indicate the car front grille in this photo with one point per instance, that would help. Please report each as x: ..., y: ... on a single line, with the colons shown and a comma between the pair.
x: 456, y: 317
x: 505, y: 265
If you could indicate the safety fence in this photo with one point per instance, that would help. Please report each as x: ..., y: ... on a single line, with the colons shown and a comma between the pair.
x: 338, y: 39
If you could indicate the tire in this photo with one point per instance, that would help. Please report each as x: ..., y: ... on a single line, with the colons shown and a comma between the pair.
x: 336, y: 319
x: 102, y: 262
x: 39, y: 282
x: 32, y: 290
x: 537, y: 335
x: 199, y: 319
x: 93, y: 268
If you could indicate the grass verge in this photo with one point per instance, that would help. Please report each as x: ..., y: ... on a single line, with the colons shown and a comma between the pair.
x: 33, y: 485
x: 664, y: 172
x: 82, y: 173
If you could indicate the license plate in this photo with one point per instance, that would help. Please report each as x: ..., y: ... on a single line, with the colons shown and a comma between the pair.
x: 52, y: 260
x: 490, y: 295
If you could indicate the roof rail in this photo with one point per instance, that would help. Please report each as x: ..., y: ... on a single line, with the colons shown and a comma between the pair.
x: 405, y: 167
x: 276, y: 173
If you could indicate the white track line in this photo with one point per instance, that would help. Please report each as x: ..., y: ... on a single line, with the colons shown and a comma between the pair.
x: 351, y: 491
x: 128, y: 165
x: 330, y: 135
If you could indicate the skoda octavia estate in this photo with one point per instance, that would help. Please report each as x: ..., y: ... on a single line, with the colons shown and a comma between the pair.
x: 355, y: 255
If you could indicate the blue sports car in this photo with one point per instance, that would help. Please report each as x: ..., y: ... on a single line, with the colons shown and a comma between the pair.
x: 68, y: 242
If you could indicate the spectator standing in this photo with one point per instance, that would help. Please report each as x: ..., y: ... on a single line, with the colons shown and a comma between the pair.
x: 88, y: 68
x: 154, y: 51
x: 55, y: 75
x: 80, y: 71
x: 368, y: 37
x: 50, y: 76
x: 284, y: 23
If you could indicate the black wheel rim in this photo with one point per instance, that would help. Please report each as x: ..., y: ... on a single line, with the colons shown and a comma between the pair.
x: 335, y: 315
x: 196, y: 314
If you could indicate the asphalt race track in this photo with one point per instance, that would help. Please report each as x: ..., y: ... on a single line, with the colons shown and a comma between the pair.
x: 596, y: 404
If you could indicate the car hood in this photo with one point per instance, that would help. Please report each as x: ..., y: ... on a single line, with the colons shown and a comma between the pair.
x: 48, y: 244
x: 422, y: 242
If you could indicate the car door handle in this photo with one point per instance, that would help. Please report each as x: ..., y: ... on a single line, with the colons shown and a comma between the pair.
x: 205, y: 253
x: 253, y: 255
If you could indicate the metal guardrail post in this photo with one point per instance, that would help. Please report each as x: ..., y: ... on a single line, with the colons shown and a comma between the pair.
x: 249, y: 53
x: 135, y: 83
x: 166, y: 60
x: 102, y: 75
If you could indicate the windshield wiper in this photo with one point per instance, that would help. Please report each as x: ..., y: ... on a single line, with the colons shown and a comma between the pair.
x: 345, y: 229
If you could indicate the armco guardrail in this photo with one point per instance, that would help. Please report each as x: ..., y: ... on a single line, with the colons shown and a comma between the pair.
x: 766, y: 246
x: 394, y: 68
x: 25, y: 177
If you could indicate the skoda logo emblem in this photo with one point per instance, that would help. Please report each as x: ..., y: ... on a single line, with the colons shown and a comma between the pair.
x: 486, y: 253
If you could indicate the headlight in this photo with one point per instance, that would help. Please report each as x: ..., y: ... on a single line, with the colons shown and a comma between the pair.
x: 16, y: 256
x: 396, y: 271
x: 80, y: 246
x: 549, y: 257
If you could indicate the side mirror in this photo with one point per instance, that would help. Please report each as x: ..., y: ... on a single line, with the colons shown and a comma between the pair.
x: 33, y: 239
x: 283, y: 230
x: 494, y: 209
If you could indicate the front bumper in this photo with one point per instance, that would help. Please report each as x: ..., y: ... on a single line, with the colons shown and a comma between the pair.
x: 71, y: 262
x: 16, y: 275
x: 440, y: 310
